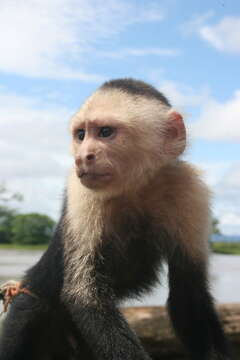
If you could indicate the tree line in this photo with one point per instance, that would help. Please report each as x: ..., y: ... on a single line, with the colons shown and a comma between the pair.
x: 22, y: 229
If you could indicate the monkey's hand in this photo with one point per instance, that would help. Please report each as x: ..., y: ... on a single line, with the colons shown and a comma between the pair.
x: 9, y: 290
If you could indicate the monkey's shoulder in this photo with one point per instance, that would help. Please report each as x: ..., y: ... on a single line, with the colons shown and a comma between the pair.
x: 180, y: 202
x: 179, y: 185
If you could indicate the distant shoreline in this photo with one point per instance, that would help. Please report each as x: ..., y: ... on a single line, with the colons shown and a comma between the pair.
x: 217, y: 247
x: 221, y: 247
x: 22, y: 247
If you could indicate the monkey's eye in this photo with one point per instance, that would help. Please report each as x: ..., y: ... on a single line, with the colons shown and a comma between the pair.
x: 80, y: 134
x: 105, y: 131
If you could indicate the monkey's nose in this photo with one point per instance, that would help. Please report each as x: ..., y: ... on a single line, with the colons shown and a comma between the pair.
x: 88, y: 158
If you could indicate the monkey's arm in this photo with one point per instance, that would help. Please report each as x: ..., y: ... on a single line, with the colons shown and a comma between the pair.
x: 107, y: 332
x: 22, y: 328
x: 191, y: 308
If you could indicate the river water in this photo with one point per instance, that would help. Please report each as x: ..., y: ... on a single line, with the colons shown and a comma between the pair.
x: 224, y: 276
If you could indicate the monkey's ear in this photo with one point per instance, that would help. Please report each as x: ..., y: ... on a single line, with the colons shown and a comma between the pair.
x: 175, y: 137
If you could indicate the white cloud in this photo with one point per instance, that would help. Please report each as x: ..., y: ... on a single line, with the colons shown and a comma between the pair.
x: 123, y: 53
x: 53, y: 38
x: 216, y: 120
x: 32, y: 137
x: 228, y: 188
x: 212, y: 172
x: 219, y: 121
x: 43, y: 195
x: 232, y: 178
x: 229, y: 223
x: 183, y: 96
x: 223, y: 179
x: 224, y: 36
x: 196, y: 23
x: 34, y: 147
x: 230, y: 219
x: 228, y: 195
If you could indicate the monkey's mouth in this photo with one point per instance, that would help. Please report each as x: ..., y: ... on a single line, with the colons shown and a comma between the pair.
x: 94, y: 180
x: 92, y: 174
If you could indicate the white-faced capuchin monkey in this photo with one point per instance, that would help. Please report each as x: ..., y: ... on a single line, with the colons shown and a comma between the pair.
x: 130, y: 204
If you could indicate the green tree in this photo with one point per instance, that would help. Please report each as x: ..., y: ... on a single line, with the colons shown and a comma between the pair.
x: 32, y: 229
x: 6, y: 218
x: 6, y: 213
x: 215, y: 226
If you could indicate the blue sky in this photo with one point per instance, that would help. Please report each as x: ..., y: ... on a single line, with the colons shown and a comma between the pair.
x: 54, y: 53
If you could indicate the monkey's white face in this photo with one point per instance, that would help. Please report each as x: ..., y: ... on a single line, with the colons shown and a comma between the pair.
x: 91, y: 139
x: 96, y: 144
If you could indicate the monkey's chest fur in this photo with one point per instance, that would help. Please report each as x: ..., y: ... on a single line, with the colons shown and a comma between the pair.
x: 129, y: 258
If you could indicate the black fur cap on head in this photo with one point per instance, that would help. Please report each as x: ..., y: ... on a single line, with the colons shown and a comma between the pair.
x: 136, y: 87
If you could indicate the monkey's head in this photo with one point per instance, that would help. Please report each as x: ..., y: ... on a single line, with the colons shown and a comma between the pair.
x: 122, y: 136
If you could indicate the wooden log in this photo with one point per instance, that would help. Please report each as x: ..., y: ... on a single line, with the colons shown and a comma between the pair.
x: 153, y: 327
